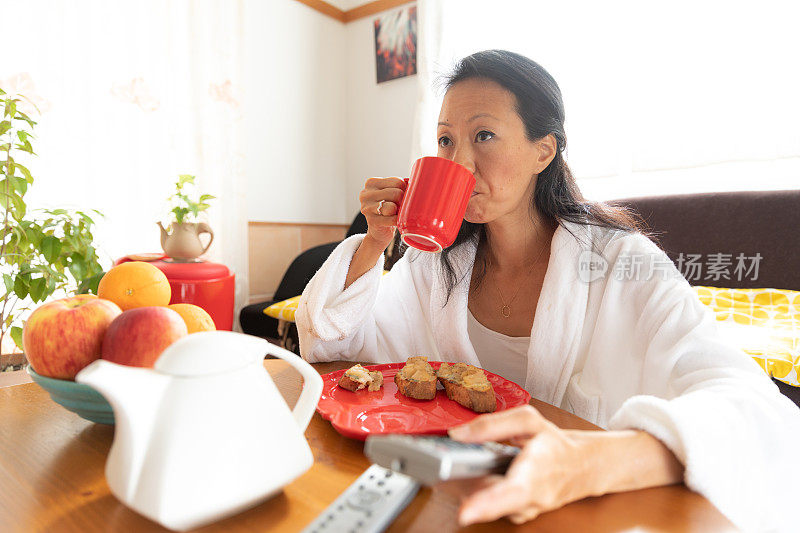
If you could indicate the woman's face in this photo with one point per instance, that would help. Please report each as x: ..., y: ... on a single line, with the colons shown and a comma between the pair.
x: 480, y: 129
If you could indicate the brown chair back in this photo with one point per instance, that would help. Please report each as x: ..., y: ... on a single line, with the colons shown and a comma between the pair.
x: 749, y: 223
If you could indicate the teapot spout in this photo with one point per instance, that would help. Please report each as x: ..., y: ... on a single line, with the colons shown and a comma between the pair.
x: 135, y: 395
x: 164, y: 234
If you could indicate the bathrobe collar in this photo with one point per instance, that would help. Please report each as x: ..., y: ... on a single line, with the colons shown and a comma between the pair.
x: 557, y: 326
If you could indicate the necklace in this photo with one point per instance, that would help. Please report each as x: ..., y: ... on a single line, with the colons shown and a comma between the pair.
x: 505, y: 311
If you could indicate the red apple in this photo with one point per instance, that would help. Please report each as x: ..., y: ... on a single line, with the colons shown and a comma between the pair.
x: 138, y: 336
x: 63, y: 336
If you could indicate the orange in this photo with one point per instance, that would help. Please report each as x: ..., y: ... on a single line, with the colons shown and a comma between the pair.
x: 135, y: 284
x: 195, y: 317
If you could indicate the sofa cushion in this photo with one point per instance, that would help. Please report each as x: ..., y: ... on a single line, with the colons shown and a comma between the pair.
x: 764, y: 323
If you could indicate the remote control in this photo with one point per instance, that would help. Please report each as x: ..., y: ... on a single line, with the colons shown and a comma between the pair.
x: 431, y: 459
x: 369, y: 505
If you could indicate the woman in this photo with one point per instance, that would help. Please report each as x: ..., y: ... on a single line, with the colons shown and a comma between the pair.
x: 540, y: 287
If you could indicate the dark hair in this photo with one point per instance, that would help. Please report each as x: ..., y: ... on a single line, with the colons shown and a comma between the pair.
x: 540, y: 106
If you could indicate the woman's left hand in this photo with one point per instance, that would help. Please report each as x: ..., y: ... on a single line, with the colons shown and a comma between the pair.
x: 554, y: 468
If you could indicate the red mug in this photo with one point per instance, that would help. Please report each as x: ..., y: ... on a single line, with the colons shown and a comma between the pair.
x: 434, y: 203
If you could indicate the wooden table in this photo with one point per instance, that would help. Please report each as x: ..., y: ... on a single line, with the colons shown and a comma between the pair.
x: 52, y: 461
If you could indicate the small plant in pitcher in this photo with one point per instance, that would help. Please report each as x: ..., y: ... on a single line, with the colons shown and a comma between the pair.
x: 182, y: 242
x: 186, y: 208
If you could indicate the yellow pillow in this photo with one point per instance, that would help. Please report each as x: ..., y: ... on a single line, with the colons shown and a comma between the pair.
x: 765, y: 323
x: 284, y: 310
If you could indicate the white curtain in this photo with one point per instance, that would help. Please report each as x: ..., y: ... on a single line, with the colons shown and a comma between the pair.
x: 678, y: 97
x: 131, y: 95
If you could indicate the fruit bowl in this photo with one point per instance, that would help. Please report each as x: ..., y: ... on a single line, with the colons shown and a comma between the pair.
x: 76, y: 397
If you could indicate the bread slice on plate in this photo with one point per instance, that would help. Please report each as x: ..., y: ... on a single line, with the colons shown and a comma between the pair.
x: 468, y: 385
x: 416, y: 379
x: 357, y: 377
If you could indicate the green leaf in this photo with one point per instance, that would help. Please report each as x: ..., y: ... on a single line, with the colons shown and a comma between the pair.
x: 26, y: 147
x: 90, y: 284
x: 77, y: 267
x: 51, y: 248
x: 19, y: 184
x: 22, y: 135
x: 86, y: 217
x: 21, y: 286
x: 11, y: 108
x: 5, y: 126
x: 180, y: 213
x: 25, y: 172
x: 206, y: 197
x: 16, y: 201
x: 22, y: 116
x: 33, y: 235
x: 2, y: 92
x: 16, y: 335
x: 183, y: 179
x: 8, y: 281
x: 37, y: 288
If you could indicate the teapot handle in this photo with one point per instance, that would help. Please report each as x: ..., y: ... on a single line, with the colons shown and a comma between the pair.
x: 312, y: 385
x: 202, y: 227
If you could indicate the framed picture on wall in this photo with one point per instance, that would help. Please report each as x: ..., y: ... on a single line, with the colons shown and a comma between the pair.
x: 396, y: 44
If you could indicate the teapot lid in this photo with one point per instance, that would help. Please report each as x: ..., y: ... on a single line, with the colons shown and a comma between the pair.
x: 210, y: 352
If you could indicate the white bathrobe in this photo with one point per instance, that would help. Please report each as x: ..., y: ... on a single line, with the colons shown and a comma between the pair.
x: 621, y: 353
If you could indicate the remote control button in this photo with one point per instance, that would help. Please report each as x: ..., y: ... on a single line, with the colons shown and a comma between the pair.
x: 363, y: 499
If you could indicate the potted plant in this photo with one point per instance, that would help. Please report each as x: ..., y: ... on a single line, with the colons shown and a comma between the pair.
x: 182, y: 242
x: 42, y: 251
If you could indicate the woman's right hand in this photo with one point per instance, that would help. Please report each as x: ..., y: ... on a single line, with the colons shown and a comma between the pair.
x: 381, y: 225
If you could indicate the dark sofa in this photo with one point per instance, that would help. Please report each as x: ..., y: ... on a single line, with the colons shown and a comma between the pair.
x: 750, y: 222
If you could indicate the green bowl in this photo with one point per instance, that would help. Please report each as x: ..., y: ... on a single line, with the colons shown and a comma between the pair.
x: 76, y: 397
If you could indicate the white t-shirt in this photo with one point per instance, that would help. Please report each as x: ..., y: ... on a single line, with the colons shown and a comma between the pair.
x: 500, y: 354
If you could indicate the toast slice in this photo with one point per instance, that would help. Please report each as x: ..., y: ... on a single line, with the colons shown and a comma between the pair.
x: 416, y: 379
x: 468, y: 385
x: 357, y: 377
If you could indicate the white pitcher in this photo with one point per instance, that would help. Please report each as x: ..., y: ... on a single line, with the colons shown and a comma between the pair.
x: 205, y: 434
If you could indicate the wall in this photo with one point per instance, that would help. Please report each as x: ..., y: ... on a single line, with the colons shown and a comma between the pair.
x: 295, y: 136
x: 274, y: 245
x: 315, y: 135
x: 295, y: 126
x: 380, y: 117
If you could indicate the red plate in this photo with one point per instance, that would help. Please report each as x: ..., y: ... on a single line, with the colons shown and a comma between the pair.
x: 362, y: 413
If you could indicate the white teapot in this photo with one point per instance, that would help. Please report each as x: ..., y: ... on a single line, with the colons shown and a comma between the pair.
x: 205, y: 434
